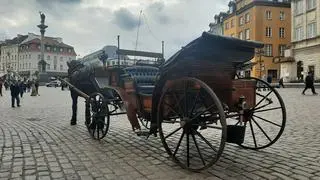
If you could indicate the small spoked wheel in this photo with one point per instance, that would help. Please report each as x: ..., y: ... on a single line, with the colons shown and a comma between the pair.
x: 145, y: 122
x: 97, y: 116
x: 266, y: 119
x: 192, y: 124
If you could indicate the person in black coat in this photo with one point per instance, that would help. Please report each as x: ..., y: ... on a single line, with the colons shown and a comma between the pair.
x: 309, y: 84
x: 15, y: 91
x: 22, y: 88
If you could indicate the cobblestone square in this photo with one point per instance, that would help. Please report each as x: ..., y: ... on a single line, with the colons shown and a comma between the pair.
x: 37, y: 142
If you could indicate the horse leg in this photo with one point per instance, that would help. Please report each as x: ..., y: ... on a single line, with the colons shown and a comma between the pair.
x: 74, y: 97
x: 87, y: 113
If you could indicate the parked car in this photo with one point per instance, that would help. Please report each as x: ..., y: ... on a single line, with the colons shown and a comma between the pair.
x: 55, y: 83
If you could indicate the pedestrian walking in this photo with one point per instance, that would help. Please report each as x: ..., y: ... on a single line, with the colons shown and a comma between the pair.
x: 15, y: 90
x: 309, y: 83
x: 281, y: 82
x: 33, y: 88
x: 6, y: 85
x: 28, y: 85
x: 37, y: 87
x: 1, y: 83
x: 22, y: 88
x: 269, y: 79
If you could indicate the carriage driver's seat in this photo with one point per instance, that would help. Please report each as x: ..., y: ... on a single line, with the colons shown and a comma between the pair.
x: 145, y: 78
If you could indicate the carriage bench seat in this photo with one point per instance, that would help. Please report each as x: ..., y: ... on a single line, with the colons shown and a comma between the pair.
x: 145, y: 78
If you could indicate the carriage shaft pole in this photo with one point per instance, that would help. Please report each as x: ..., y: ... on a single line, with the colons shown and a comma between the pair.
x: 72, y: 87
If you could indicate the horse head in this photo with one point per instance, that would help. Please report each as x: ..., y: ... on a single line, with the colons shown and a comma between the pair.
x: 74, y: 65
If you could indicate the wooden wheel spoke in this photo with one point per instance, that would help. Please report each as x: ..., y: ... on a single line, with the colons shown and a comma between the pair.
x: 194, y: 104
x: 266, y: 120
x: 198, y: 149
x: 178, y: 145
x: 188, y: 151
x: 205, y: 140
x: 185, y: 100
x: 261, y: 129
x: 263, y: 110
x: 262, y: 99
x: 199, y: 114
x: 172, y: 109
x: 172, y: 133
x: 253, y: 136
x: 178, y: 104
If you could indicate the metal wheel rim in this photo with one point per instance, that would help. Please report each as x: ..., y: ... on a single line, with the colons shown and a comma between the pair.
x: 251, y: 123
x: 190, y: 138
x: 98, y: 126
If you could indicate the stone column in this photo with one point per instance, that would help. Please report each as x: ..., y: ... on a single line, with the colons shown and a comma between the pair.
x: 42, y: 63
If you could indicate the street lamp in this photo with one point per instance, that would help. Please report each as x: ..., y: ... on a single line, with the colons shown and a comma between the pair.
x: 260, y: 53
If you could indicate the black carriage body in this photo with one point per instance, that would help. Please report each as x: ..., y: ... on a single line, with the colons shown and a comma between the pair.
x: 210, y: 58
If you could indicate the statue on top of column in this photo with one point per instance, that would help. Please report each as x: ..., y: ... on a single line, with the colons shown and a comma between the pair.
x: 42, y: 16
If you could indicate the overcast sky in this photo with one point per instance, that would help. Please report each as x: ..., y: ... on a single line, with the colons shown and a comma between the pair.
x: 88, y: 25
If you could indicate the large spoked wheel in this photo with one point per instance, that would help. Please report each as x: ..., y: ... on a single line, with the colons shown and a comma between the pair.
x: 267, y: 119
x: 192, y: 124
x: 97, y: 116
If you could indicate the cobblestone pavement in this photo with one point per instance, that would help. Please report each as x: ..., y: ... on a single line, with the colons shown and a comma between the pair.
x: 37, y: 142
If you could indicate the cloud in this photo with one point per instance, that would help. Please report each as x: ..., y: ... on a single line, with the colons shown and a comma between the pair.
x: 125, y: 19
x: 88, y: 25
x: 158, y: 12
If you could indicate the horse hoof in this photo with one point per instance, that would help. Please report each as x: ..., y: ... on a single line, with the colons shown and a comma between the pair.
x: 73, y: 123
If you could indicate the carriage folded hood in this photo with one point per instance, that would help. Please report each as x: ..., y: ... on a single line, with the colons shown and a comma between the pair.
x: 220, y: 49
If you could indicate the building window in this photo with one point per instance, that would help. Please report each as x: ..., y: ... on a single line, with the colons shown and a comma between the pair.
x: 227, y: 25
x: 48, y: 66
x: 29, y: 56
x: 311, y: 4
x: 61, y: 67
x: 241, y: 35
x: 48, y: 48
x: 273, y: 73
x: 268, y: 32
x: 281, y: 32
x: 61, y: 59
x: 298, y: 33
x: 232, y: 23
x: 281, y: 50
x: 39, y: 56
x: 39, y: 46
x: 61, y: 49
x: 55, y: 66
x: 299, y: 7
x: 311, y: 30
x: 247, y: 34
x: 268, y: 15
x: 282, y: 16
x: 268, y: 50
x: 247, y: 17
x: 69, y: 50
x: 55, y: 58
x: 241, y: 21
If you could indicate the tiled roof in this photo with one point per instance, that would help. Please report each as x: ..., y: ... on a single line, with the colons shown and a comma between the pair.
x: 48, y: 41
x: 16, y: 40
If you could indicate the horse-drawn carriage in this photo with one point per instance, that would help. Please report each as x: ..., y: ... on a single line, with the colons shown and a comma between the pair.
x: 195, y: 101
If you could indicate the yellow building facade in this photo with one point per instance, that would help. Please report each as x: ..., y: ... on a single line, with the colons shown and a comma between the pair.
x: 265, y: 21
